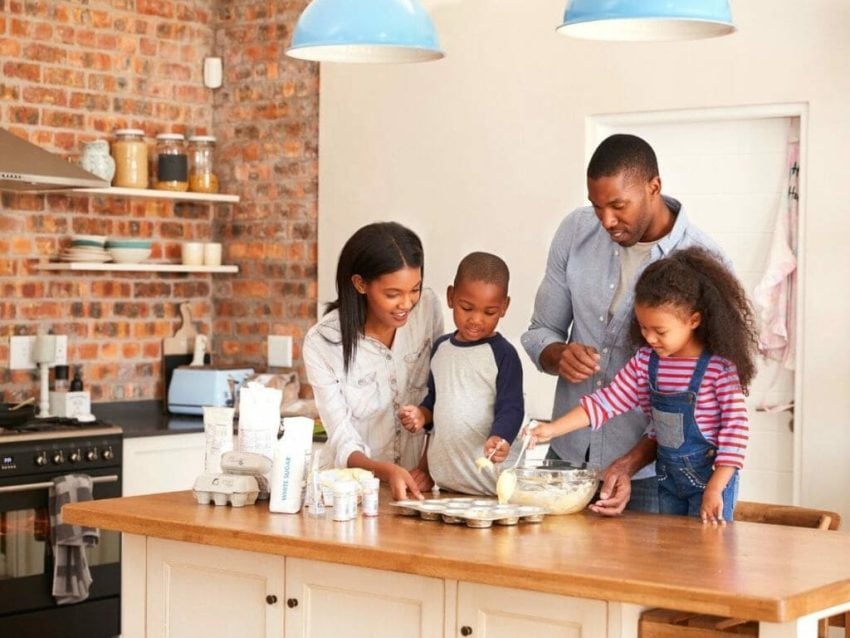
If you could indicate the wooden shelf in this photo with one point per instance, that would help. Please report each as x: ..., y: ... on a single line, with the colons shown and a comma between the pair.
x: 153, y: 193
x: 142, y: 267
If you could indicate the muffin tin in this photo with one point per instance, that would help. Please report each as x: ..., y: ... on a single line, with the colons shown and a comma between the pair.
x: 470, y: 511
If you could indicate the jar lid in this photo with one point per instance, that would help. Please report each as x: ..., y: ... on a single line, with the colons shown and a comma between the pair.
x: 170, y: 136
x: 129, y: 131
x: 60, y: 372
x: 202, y: 138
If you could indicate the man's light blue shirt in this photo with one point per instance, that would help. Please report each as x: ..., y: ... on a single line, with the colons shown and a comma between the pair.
x: 572, y: 305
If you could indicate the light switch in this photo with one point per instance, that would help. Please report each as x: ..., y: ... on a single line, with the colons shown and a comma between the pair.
x: 279, y: 351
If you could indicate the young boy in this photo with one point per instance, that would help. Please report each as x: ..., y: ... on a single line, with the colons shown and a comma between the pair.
x: 475, y: 399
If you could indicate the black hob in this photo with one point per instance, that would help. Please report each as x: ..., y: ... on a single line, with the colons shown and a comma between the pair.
x: 54, y: 424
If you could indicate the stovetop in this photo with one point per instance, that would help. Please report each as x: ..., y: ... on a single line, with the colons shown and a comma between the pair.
x: 54, y: 424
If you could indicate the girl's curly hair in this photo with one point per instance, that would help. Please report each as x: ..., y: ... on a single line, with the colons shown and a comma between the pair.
x: 694, y: 280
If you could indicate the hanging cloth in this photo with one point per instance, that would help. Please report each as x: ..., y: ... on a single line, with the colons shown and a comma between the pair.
x: 775, y: 295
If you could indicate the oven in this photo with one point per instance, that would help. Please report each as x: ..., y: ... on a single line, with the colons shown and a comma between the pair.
x: 30, y: 458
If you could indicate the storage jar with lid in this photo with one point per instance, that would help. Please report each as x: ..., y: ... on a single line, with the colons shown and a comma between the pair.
x: 202, y: 177
x: 130, y: 153
x: 172, y: 163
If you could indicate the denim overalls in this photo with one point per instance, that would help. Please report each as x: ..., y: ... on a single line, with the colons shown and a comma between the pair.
x: 685, y: 459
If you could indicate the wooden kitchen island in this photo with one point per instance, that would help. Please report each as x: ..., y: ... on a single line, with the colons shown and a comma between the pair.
x: 192, y: 570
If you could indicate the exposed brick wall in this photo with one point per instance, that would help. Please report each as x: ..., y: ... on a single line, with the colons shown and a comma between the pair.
x: 71, y: 72
x: 266, y: 119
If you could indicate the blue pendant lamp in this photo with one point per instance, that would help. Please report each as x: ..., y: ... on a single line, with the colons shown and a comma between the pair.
x: 365, y: 31
x: 647, y: 20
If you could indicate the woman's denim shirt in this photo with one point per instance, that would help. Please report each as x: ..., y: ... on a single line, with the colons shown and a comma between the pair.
x: 359, y: 410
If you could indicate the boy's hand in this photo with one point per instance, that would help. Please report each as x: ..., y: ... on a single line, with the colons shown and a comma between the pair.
x: 711, y: 510
x: 498, y: 447
x: 412, y: 418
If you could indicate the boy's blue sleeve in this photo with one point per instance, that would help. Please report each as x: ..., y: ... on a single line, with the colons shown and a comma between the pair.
x: 509, y: 409
x: 431, y: 398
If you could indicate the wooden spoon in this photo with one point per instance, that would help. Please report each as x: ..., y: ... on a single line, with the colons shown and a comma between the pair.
x: 22, y: 404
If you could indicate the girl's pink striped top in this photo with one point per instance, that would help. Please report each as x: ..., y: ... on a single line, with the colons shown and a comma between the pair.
x: 721, y: 413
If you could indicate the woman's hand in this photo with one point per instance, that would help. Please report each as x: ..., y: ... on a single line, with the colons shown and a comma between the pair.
x: 412, y: 418
x: 400, y: 481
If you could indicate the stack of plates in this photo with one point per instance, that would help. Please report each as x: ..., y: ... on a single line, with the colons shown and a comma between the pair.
x: 86, y: 248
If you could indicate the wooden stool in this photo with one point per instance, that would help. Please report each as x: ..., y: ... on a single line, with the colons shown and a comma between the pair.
x: 666, y: 623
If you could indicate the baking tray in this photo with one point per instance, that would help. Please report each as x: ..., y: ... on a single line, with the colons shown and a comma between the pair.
x: 470, y: 511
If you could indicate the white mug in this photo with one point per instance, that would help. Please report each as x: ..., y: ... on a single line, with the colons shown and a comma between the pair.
x: 193, y: 253
x: 212, y: 254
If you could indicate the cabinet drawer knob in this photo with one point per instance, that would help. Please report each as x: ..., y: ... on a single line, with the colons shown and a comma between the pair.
x: 466, y: 630
x: 292, y: 603
x: 271, y: 599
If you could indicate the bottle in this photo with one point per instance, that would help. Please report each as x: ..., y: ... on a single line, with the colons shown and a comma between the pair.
x: 314, y: 490
x: 202, y: 177
x: 131, y: 158
x: 172, y: 164
x: 77, y: 381
x: 289, y: 469
x: 371, y: 495
x: 345, y: 500
x: 60, y: 378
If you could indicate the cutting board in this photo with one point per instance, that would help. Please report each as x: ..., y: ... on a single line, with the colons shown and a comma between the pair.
x: 178, y: 350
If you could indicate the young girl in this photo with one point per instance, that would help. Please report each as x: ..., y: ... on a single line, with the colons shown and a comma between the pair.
x: 368, y: 355
x: 697, y: 337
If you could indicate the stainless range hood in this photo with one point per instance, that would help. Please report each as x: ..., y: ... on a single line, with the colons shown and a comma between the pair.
x: 26, y: 167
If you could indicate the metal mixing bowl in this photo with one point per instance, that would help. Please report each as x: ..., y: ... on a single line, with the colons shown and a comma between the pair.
x: 557, y: 486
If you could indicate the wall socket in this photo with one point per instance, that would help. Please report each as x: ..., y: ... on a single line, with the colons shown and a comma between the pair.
x: 279, y: 351
x: 21, y: 349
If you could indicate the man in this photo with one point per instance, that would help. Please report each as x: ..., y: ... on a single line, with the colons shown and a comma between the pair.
x: 583, y: 308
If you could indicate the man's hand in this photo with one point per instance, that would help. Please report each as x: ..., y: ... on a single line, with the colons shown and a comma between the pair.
x: 615, y: 493
x: 578, y: 362
x: 617, y: 479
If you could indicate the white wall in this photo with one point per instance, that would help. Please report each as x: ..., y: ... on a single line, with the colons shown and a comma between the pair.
x: 486, y: 150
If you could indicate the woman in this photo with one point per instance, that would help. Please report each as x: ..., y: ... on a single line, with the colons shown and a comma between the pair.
x: 369, y: 354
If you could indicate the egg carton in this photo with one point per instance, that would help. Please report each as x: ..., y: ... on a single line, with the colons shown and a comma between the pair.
x: 470, y: 511
x: 237, y: 489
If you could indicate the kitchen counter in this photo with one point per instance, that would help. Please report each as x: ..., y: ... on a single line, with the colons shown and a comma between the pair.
x: 146, y: 418
x: 762, y: 572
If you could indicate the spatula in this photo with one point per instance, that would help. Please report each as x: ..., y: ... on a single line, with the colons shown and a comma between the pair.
x: 506, y: 483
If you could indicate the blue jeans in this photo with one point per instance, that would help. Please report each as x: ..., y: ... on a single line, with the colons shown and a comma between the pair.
x: 644, y: 496
x: 682, y: 483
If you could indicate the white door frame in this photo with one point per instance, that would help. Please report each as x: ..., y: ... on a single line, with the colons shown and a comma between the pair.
x: 596, y: 124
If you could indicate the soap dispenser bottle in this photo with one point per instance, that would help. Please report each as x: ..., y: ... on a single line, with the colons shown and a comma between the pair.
x: 77, y: 381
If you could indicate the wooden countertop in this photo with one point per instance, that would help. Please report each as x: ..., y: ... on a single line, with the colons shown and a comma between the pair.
x: 745, y: 570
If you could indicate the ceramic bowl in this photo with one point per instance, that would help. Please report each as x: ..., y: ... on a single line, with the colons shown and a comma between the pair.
x: 119, y: 242
x: 129, y: 255
x: 88, y: 241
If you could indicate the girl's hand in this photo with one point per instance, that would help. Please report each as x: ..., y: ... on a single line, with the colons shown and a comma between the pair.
x: 498, y: 447
x: 711, y: 510
x: 543, y: 432
x: 411, y: 417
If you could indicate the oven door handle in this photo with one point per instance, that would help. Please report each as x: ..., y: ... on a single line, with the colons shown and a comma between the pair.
x: 111, y: 478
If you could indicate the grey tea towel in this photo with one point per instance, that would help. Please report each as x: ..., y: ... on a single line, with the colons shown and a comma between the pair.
x: 71, y: 576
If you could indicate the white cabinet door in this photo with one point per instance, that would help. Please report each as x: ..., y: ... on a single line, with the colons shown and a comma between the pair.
x: 484, y: 611
x: 167, y: 463
x: 196, y: 591
x: 325, y: 599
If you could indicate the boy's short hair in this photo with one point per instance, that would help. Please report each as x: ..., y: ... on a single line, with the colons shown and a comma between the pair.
x: 486, y: 267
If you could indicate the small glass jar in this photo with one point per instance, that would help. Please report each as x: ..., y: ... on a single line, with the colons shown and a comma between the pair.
x: 130, y: 153
x: 172, y: 163
x: 202, y: 177
x: 345, y: 500
x: 370, y: 487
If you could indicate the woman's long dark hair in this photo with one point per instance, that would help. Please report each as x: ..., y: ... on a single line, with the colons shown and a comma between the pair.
x: 694, y: 280
x: 374, y: 250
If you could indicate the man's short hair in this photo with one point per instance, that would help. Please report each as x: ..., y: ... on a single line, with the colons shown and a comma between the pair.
x: 623, y: 153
